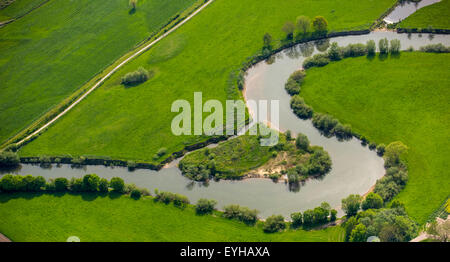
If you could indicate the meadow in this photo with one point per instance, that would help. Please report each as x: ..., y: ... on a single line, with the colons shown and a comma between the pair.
x: 18, y: 8
x: 51, y: 52
x: 435, y: 15
x: 394, y: 99
x: 135, y: 123
x: 48, y: 217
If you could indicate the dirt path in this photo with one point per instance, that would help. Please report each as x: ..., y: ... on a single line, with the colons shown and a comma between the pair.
x: 137, y: 53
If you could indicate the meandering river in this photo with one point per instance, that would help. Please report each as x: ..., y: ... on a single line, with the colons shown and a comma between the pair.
x: 355, y: 168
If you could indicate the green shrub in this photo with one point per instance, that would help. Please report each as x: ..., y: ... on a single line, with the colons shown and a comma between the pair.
x: 103, y: 185
x: 351, y: 205
x: 435, y: 48
x: 302, y: 142
x: 76, y: 184
x: 325, y: 123
x: 308, y: 218
x: 297, y: 219
x: 318, y: 60
x: 90, y: 183
x: 136, y: 194
x: 133, y: 78
x: 371, y: 47
x: 8, y: 159
x: 243, y: 214
x: 292, y: 87
x: 333, y: 215
x: 205, y: 206
x: 301, y: 109
x: 320, y: 24
x: 395, y: 46
x: 319, y: 162
x: 383, y: 46
x: 61, y: 184
x: 354, y: 50
x: 274, y: 224
x: 372, y: 201
x: 335, y: 52
x: 117, y: 184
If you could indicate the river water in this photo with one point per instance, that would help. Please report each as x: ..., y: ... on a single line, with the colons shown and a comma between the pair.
x: 355, y: 168
x: 406, y: 9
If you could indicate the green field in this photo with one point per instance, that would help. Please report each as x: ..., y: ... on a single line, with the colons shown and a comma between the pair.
x: 18, y: 8
x: 435, y: 15
x: 54, y: 50
x: 397, y: 99
x: 24, y: 217
x: 134, y: 123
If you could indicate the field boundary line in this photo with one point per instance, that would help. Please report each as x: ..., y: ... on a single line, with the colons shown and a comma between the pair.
x: 102, y: 80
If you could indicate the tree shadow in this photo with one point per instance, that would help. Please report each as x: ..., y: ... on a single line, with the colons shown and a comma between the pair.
x: 396, y: 55
x: 382, y: 57
x: 132, y: 11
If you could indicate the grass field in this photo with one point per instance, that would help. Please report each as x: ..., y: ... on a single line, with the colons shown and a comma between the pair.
x: 134, y: 123
x: 397, y: 99
x: 435, y: 15
x: 18, y: 8
x: 24, y: 217
x: 53, y: 51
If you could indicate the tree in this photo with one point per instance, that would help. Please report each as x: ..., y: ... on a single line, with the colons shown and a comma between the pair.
x: 103, y: 185
x: 267, y: 40
x: 90, y: 183
x: 303, y: 24
x: 136, y: 193
x: 274, y: 224
x: 372, y: 200
x: 308, y: 217
x: 320, y: 215
x: 320, y: 24
x: 371, y: 48
x: 205, y: 206
x: 297, y: 219
x: 393, y: 152
x: 333, y: 215
x: 61, y: 184
x: 37, y: 184
x: 289, y: 28
x: 117, y: 184
x: 351, y: 204
x: 8, y: 159
x: 133, y: 4
x: 383, y: 45
x: 288, y: 135
x: 440, y: 231
x: 302, y: 142
x: 395, y: 46
x: 335, y: 53
x: 359, y: 234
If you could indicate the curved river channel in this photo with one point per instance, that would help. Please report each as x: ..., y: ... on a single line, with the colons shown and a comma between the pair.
x: 355, y: 168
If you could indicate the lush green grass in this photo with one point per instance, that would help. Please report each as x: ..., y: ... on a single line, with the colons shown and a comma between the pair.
x: 397, y: 99
x: 436, y: 15
x: 134, y: 123
x: 55, y: 218
x: 18, y: 8
x: 53, y: 51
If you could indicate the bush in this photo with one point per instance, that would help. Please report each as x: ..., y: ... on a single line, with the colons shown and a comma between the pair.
x: 180, y: 200
x: 351, y: 204
x: 301, y: 109
x: 267, y: 39
x: 61, y: 184
x: 303, y: 24
x: 391, y: 184
x: 9, y: 159
x: 383, y: 46
x: 308, y: 218
x: 117, y: 184
x: 380, y: 149
x: 319, y: 162
x: 371, y: 47
x: 274, y: 224
x: 358, y: 234
x: 318, y: 60
x: 342, y: 131
x: 139, y: 76
x: 288, y: 135
x: 354, y: 50
x: 293, y: 177
x: 320, y: 215
x: 335, y: 52
x: 435, y: 48
x: 333, y: 215
x: 393, y: 152
x: 395, y: 46
x: 320, y: 24
x: 205, y: 206
x: 103, y: 185
x: 302, y: 142
x: 297, y: 219
x: 90, y: 183
x: 76, y: 184
x: 10, y: 183
x: 243, y: 214
x: 292, y: 87
x: 35, y: 184
x: 372, y: 201
x: 136, y: 194
x: 325, y: 123
x: 162, y: 151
